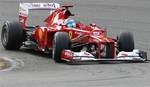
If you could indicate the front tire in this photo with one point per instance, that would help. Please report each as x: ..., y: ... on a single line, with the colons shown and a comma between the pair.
x: 125, y: 42
x: 61, y: 41
x: 12, y: 35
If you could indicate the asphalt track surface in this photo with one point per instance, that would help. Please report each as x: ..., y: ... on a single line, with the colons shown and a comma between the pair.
x: 117, y: 15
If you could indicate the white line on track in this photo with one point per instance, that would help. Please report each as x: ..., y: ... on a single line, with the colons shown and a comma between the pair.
x: 14, y: 64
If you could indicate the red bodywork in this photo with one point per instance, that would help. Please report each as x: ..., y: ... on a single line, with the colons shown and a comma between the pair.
x: 80, y: 34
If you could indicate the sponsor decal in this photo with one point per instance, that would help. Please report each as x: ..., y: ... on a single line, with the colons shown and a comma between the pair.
x: 70, y: 34
x: 45, y: 5
x: 96, y: 33
x: 68, y: 53
x: 35, y: 4
x: 49, y: 5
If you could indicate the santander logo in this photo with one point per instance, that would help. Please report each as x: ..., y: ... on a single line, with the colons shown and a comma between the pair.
x: 67, y: 54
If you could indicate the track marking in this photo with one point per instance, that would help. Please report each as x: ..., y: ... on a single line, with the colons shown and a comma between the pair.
x: 14, y: 64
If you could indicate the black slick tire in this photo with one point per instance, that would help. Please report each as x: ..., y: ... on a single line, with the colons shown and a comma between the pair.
x: 12, y: 35
x: 61, y: 41
x: 125, y: 42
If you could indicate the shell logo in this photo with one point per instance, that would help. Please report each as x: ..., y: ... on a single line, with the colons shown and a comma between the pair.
x: 70, y: 34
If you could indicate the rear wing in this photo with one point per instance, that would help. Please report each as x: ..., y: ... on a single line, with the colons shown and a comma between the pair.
x: 25, y: 7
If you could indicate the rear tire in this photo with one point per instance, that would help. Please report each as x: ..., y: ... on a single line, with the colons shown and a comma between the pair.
x: 61, y: 41
x: 125, y: 42
x: 12, y: 35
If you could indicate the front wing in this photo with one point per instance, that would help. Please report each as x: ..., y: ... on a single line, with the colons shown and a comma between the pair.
x: 134, y: 56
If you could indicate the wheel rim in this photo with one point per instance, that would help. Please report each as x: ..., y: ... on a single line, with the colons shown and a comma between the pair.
x: 4, y: 35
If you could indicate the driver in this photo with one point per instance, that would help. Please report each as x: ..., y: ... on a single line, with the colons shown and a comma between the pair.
x: 69, y: 22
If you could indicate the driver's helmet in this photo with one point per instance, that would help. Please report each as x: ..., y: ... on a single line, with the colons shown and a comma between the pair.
x: 70, y: 22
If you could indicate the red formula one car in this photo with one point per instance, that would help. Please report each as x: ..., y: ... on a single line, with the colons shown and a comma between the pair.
x: 67, y: 39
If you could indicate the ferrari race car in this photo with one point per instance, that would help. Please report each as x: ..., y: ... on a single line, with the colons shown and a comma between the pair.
x: 68, y: 41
